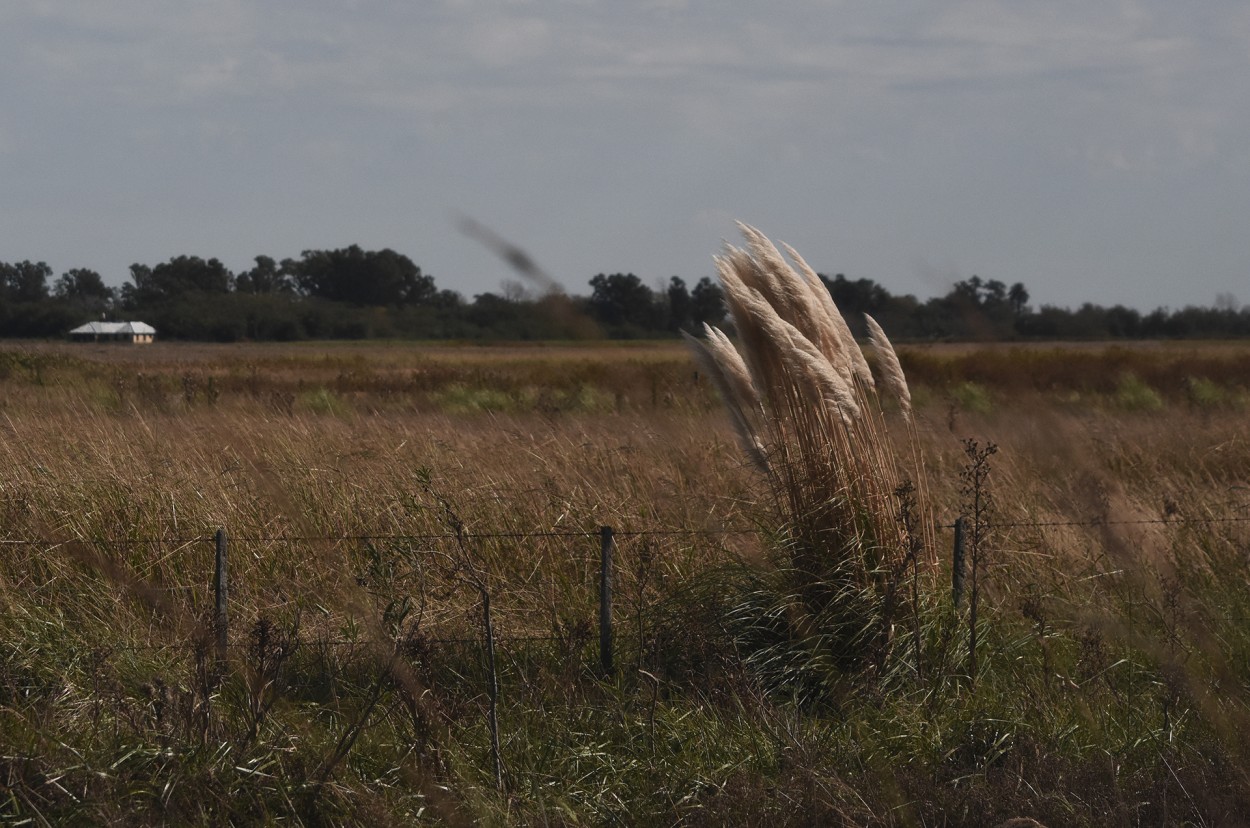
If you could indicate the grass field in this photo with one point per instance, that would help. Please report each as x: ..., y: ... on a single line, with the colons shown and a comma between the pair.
x: 375, y: 494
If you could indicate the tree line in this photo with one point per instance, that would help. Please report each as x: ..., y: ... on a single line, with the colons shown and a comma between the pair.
x: 352, y: 293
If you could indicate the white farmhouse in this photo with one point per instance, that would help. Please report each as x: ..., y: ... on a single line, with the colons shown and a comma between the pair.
x: 133, y: 332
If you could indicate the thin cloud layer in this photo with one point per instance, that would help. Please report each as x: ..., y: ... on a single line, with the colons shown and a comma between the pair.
x: 1089, y: 150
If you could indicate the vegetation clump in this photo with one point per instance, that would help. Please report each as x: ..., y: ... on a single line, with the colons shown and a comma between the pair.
x: 1132, y: 394
x: 806, y: 409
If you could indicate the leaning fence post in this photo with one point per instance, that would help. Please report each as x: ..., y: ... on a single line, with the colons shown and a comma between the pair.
x: 221, y: 589
x: 957, y: 560
x: 605, y: 598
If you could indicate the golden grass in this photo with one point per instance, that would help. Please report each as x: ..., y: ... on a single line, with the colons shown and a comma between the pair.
x: 168, y: 477
x: 118, y: 447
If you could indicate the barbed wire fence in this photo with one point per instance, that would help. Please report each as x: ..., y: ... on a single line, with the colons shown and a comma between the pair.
x: 51, y: 543
x: 605, y: 540
x: 336, y: 663
x: 218, y: 585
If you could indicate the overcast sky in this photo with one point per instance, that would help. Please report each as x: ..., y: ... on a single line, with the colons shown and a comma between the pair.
x: 1096, y: 151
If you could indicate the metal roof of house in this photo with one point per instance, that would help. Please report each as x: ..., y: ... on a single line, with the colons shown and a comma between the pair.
x: 114, y: 328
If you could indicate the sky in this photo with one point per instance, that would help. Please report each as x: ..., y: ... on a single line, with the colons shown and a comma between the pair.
x: 1095, y: 150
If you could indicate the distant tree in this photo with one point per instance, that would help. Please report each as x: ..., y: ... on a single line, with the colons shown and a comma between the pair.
x: 995, y: 293
x: 975, y: 309
x: 445, y: 299
x: 141, y: 289
x: 1122, y: 322
x: 24, y: 281
x: 266, y: 277
x: 707, y: 303
x: 855, y: 298
x: 81, y: 283
x: 1043, y: 323
x: 512, y: 290
x: 175, y: 279
x: 969, y: 290
x: 84, y: 290
x: 183, y: 274
x: 621, y: 299
x: 680, y: 305
x: 492, y: 311
x: 25, y: 307
x: 1089, y: 321
x: 1018, y: 297
x: 359, y: 277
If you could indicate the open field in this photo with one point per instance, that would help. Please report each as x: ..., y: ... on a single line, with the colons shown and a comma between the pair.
x: 375, y: 494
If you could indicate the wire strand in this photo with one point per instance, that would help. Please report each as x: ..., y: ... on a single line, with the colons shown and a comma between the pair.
x: 52, y: 543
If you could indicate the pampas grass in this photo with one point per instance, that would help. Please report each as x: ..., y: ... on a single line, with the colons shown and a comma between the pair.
x: 806, y: 410
x: 891, y: 369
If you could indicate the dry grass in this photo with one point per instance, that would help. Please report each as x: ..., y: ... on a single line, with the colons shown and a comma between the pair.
x: 1115, y: 648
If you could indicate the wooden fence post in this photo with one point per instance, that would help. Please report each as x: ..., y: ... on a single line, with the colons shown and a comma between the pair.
x: 605, y: 599
x: 957, y: 560
x: 221, y: 590
x: 492, y: 689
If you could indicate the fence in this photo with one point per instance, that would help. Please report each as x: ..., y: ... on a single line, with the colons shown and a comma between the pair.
x: 605, y: 544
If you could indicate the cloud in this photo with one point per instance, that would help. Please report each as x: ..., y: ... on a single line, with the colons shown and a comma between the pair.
x: 509, y: 41
x: 212, y: 76
x: 910, y: 126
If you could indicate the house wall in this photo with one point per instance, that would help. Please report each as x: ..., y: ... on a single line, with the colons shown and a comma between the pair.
x: 134, y: 339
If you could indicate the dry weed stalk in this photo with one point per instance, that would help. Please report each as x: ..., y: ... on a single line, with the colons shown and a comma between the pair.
x: 806, y: 409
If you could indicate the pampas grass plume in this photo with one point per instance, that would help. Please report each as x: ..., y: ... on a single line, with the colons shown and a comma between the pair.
x: 891, y: 369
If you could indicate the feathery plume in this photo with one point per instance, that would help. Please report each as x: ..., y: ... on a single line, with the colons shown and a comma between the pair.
x: 859, y: 365
x: 739, y: 399
x: 891, y: 368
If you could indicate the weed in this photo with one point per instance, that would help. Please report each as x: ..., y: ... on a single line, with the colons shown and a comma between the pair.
x: 462, y: 399
x: 1132, y: 394
x: 1205, y: 394
x: 972, y: 397
x: 322, y: 401
x: 977, y: 506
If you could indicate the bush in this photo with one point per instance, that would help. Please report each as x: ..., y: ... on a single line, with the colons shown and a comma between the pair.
x: 807, y: 412
x: 1132, y: 394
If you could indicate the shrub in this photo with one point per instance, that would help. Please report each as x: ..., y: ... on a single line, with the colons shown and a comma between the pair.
x: 1203, y: 393
x: 972, y: 396
x: 460, y: 399
x: 806, y: 410
x: 325, y: 401
x: 1132, y: 394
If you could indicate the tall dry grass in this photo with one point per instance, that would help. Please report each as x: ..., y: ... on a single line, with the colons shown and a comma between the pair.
x: 1112, y: 687
x: 807, y: 411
